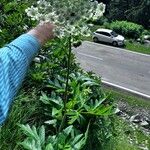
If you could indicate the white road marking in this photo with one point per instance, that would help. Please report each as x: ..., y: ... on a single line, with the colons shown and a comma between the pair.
x: 129, y: 51
x: 90, y: 56
x: 126, y: 89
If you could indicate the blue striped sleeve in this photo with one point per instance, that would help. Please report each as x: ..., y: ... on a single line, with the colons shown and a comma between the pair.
x: 14, y: 61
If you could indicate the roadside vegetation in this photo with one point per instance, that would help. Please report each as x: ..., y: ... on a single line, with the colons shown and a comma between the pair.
x: 131, y: 99
x: 60, y: 106
x: 131, y: 136
x: 137, y: 47
x: 127, y: 137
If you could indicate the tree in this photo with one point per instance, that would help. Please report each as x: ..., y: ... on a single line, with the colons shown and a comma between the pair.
x: 130, y: 10
x: 137, y: 11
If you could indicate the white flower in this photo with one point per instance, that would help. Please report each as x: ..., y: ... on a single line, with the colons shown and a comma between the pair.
x: 32, y: 12
x: 70, y: 16
x: 99, y: 11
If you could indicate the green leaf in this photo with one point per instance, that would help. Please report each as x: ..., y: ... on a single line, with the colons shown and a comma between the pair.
x: 104, y: 110
x: 51, y: 122
x: 77, y: 138
x: 56, y: 112
x: 87, y: 107
x: 68, y: 130
x: 49, y: 147
x: 98, y: 103
x: 42, y: 135
x: 44, y: 98
x: 60, y: 90
x: 73, y: 116
x: 53, y: 100
x: 56, y: 101
x: 29, y: 132
x: 79, y: 145
x: 90, y: 83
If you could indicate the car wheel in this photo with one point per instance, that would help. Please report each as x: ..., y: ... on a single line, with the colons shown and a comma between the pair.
x: 95, y: 39
x: 114, y: 43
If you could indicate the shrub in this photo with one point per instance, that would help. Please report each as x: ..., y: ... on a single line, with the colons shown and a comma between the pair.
x: 128, y: 29
x: 146, y: 32
x: 106, y: 25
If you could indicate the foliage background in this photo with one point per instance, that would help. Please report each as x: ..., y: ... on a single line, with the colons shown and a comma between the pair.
x: 130, y: 10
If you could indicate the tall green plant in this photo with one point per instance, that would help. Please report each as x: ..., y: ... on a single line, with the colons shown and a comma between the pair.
x: 73, y: 99
x: 85, y: 104
x: 67, y: 139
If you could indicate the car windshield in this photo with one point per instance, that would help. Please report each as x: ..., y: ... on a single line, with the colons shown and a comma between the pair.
x: 114, y: 34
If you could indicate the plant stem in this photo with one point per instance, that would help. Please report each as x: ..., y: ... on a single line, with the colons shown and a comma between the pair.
x: 67, y: 86
x: 68, y: 72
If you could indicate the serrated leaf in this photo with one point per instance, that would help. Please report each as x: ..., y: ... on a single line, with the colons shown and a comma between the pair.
x: 44, y: 98
x: 49, y: 147
x: 104, y: 110
x: 42, y: 135
x: 98, y: 103
x: 68, y: 130
x: 90, y: 83
x: 51, y: 122
x: 55, y: 111
x: 77, y: 138
x: 28, y: 131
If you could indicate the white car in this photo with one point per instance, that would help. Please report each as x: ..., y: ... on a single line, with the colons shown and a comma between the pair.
x: 108, y: 36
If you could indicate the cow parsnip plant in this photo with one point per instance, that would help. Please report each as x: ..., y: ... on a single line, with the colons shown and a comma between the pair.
x: 86, y: 104
x: 73, y: 99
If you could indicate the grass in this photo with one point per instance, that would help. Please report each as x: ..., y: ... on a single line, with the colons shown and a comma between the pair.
x: 127, y: 97
x: 127, y: 137
x: 24, y: 111
x: 123, y: 129
x: 137, y: 47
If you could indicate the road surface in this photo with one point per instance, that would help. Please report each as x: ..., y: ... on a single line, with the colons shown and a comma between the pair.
x: 117, y: 67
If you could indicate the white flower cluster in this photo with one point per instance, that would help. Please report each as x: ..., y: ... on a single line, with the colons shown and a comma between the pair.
x: 70, y: 16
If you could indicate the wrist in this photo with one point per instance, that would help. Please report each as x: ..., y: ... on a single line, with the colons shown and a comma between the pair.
x: 34, y: 33
x: 42, y: 32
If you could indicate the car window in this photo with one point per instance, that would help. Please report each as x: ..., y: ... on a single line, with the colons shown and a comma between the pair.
x: 103, y: 33
x: 106, y: 34
x: 114, y: 34
x: 98, y: 32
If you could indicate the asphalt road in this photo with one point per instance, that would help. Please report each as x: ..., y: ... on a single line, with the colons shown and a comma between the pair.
x: 117, y: 67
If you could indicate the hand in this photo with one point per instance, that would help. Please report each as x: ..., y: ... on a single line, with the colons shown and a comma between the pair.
x: 43, y: 32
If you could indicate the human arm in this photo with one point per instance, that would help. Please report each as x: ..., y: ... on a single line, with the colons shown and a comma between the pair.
x: 14, y: 61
